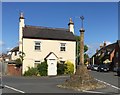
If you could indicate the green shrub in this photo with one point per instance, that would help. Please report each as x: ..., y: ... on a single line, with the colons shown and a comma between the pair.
x: 61, y: 68
x: 42, y: 68
x: 69, y: 68
x: 18, y: 62
x: 31, y: 72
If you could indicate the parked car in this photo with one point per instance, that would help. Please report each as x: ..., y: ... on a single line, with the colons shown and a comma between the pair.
x: 89, y: 66
x: 118, y: 71
x: 115, y: 69
x: 94, y: 67
x: 103, y: 67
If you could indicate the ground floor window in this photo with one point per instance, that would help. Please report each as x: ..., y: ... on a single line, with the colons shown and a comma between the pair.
x: 36, y: 63
x: 62, y: 62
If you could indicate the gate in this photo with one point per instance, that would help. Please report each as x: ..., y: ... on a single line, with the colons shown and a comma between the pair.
x: 3, y: 68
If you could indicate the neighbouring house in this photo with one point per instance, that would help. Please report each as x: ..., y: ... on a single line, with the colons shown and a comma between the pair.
x: 9, y: 64
x: 44, y: 43
x: 104, y: 55
x: 117, y: 55
x: 14, y: 53
x: 4, y: 57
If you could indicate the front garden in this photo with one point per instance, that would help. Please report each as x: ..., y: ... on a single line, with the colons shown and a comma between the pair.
x: 41, y: 69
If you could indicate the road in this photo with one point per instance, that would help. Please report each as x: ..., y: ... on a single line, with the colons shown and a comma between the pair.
x: 35, y: 84
x: 48, y: 84
x: 110, y: 78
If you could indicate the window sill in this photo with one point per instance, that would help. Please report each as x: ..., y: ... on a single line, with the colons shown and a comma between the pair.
x: 37, y: 50
x: 62, y: 51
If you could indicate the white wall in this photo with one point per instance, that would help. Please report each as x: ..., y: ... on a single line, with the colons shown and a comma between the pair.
x: 13, y: 57
x: 47, y: 46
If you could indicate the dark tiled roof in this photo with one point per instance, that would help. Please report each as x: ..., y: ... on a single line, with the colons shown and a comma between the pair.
x: 48, y: 33
x: 118, y: 41
x: 108, y: 48
x: 15, y: 49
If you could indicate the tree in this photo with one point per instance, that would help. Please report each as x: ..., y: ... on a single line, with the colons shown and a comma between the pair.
x: 19, y: 60
x: 21, y: 55
x: 78, y: 45
x: 86, y: 57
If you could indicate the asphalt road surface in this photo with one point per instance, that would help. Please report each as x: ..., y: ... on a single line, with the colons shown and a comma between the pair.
x: 48, y: 84
x: 110, y: 79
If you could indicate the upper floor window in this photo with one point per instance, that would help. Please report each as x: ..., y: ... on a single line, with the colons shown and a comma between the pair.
x: 62, y: 46
x: 37, y: 45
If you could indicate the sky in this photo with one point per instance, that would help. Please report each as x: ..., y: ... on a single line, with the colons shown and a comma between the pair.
x: 100, y: 23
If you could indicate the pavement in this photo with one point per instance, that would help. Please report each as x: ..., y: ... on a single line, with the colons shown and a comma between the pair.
x: 48, y: 84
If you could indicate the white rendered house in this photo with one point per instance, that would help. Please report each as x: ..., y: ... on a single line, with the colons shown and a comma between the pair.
x: 52, y: 44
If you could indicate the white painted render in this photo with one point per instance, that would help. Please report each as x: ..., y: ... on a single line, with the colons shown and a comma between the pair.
x: 71, y: 28
x: 47, y: 46
x: 21, y: 25
x: 13, y: 56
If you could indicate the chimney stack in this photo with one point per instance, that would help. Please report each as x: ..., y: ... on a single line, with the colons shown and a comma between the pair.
x: 21, y: 25
x: 71, y: 26
x: 101, y: 46
x: 104, y: 43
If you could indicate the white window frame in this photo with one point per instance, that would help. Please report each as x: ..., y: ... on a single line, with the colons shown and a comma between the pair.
x: 62, y: 47
x: 37, y: 44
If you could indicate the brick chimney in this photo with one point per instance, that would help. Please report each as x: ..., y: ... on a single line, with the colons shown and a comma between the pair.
x: 104, y: 44
x: 101, y: 46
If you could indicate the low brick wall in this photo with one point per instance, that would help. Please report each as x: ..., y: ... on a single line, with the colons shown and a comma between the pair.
x: 13, y: 70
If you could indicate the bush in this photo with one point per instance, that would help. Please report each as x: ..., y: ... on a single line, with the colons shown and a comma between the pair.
x: 18, y: 62
x: 69, y: 68
x: 61, y: 68
x: 31, y: 72
x: 42, y: 68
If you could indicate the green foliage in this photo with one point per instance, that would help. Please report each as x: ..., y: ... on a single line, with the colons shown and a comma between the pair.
x: 78, y: 50
x: 18, y: 62
x: 69, y: 68
x: 78, y: 44
x: 61, y: 68
x: 85, y: 48
x: 42, y: 68
x: 31, y: 72
x: 86, y: 57
x: 21, y: 55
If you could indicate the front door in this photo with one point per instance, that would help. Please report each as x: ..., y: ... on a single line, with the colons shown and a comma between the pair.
x: 52, y: 67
